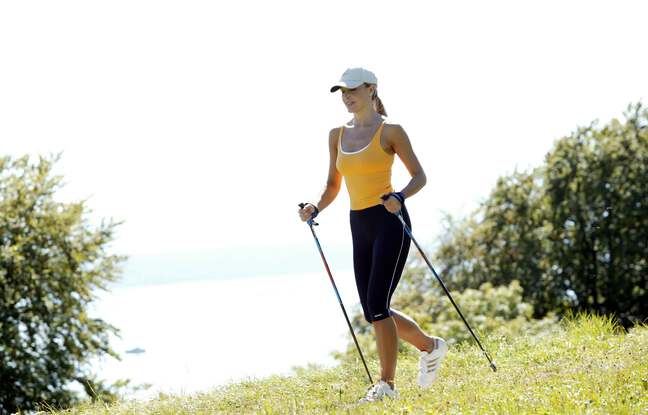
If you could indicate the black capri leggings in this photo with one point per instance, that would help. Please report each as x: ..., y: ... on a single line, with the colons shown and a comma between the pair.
x: 380, y: 248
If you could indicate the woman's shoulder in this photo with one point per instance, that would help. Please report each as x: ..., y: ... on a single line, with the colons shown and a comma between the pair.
x: 392, y: 127
x: 334, y: 134
x: 394, y: 133
x: 335, y: 131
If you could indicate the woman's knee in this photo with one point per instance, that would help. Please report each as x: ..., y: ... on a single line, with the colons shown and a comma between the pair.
x: 377, y: 312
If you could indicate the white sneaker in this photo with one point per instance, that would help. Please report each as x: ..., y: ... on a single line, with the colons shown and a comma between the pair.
x: 429, y: 362
x: 379, y: 391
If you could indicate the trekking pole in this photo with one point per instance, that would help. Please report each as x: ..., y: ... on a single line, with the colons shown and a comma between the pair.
x: 311, y: 223
x: 400, y: 216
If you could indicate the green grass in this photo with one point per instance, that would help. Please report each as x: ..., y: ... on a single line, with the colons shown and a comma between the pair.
x: 584, y: 364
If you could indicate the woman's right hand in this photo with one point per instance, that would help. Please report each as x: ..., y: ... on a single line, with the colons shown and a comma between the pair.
x: 306, y: 212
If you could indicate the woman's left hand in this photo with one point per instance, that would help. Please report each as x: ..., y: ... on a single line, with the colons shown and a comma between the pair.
x: 392, y: 204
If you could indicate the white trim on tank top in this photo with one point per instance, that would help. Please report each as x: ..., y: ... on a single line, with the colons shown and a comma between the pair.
x: 363, y: 148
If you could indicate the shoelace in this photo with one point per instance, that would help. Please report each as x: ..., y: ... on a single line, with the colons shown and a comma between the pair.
x: 373, y: 391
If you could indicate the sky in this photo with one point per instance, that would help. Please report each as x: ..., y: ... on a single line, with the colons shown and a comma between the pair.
x: 201, y: 125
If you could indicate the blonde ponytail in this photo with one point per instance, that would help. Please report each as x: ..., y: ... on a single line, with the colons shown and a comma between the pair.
x: 378, y: 105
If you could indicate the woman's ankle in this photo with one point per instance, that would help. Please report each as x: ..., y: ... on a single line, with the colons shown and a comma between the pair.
x: 429, y: 345
x: 390, y: 383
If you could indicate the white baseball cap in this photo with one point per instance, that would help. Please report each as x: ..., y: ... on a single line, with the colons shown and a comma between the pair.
x: 354, y: 77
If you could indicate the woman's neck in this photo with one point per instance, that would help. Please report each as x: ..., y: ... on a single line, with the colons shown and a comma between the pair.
x: 365, y: 118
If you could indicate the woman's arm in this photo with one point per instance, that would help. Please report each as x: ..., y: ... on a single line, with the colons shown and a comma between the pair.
x: 334, y: 179
x: 400, y: 143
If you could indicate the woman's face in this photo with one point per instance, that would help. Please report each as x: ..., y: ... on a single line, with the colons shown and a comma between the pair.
x: 356, y: 98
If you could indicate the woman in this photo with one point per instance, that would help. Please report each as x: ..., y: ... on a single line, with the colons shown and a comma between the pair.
x: 362, y: 151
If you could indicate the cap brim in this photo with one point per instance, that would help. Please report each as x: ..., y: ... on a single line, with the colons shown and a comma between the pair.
x: 346, y: 84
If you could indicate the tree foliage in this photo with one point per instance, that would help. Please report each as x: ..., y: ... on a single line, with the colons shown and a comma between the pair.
x: 573, y: 231
x: 50, y: 262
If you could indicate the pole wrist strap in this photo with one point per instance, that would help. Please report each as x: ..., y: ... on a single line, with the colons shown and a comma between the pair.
x: 316, y: 212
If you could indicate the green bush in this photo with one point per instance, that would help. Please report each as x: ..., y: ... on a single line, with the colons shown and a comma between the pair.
x: 491, y: 312
x: 51, y: 261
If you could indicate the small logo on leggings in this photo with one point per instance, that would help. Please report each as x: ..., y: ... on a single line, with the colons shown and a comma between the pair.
x: 378, y: 315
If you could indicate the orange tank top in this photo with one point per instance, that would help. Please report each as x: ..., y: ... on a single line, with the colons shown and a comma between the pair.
x: 367, y: 172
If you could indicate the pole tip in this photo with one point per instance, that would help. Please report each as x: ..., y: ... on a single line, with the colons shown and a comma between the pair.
x: 492, y: 365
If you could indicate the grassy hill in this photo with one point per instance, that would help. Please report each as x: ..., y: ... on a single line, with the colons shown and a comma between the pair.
x: 584, y: 364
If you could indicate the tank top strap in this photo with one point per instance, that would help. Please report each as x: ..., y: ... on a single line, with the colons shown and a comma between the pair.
x: 379, y: 131
x: 375, y: 140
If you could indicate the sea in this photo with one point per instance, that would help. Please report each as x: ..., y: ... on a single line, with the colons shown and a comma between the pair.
x: 181, y: 337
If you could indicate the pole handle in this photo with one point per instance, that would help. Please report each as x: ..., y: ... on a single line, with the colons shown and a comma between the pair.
x: 385, y: 197
x: 310, y: 221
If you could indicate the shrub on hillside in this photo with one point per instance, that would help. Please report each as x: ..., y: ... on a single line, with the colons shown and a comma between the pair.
x: 491, y: 311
